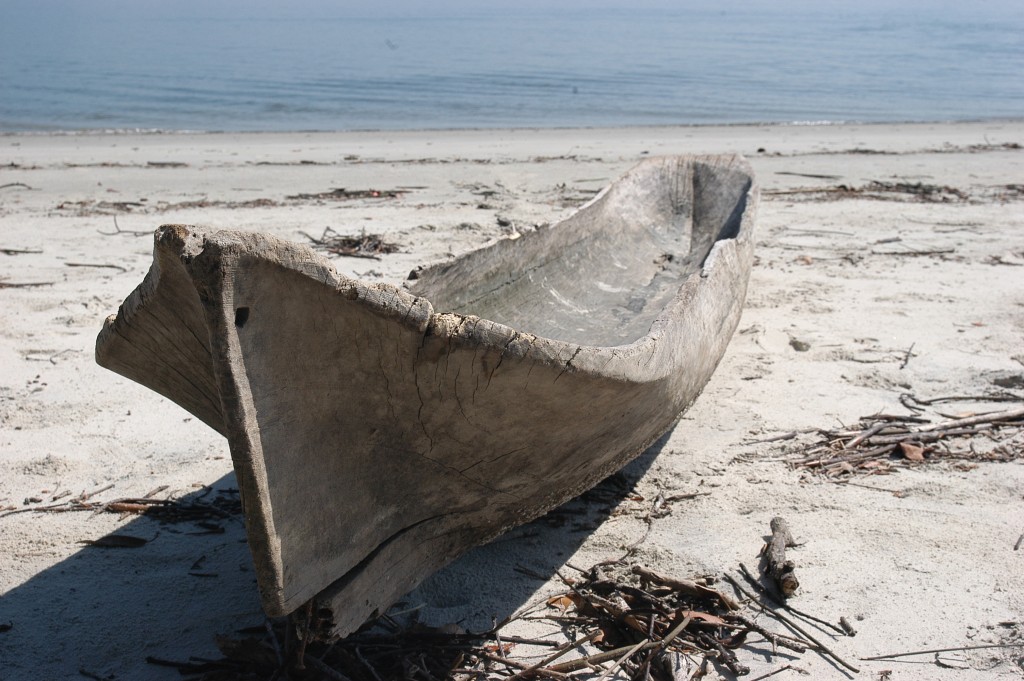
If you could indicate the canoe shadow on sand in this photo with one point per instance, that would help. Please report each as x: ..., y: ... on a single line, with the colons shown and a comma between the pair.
x: 102, y: 611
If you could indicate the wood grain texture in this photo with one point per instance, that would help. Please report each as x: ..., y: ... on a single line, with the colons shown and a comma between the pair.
x: 378, y: 433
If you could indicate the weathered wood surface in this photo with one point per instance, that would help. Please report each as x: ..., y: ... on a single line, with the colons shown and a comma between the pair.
x: 782, y: 570
x: 377, y: 433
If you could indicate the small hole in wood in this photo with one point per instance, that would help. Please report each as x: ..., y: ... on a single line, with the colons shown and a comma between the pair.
x: 241, y: 316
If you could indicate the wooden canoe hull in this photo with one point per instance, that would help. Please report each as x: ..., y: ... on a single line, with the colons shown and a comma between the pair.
x: 376, y: 438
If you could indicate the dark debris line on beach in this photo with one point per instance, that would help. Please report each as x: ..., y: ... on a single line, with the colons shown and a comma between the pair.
x: 881, y: 191
x: 90, y: 207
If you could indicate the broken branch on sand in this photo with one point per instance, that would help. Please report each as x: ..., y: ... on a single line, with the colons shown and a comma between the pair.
x: 685, y: 586
x: 19, y: 251
x: 987, y: 646
x: 26, y: 284
x: 127, y: 232
x: 781, y: 570
x: 99, y: 265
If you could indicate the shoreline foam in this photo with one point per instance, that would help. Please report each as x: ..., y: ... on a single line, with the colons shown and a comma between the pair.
x: 825, y: 123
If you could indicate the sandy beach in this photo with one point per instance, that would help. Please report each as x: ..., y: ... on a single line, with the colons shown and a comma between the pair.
x: 889, y: 272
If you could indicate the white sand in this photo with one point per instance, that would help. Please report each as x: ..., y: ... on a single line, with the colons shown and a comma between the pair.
x: 932, y: 567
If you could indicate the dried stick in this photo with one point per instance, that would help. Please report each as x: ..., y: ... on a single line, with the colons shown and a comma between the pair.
x: 27, y: 284
x: 91, y: 264
x: 782, y: 604
x: 784, y: 436
x: 782, y: 571
x: 906, y: 358
x: 993, y: 417
x: 788, y: 621
x: 129, y: 232
x: 514, y: 665
x: 725, y: 656
x: 621, y: 661
x: 773, y: 638
x: 584, y: 662
x: 1017, y: 644
x: 686, y: 586
x: 779, y: 671
x: 557, y: 654
x: 1006, y: 397
x: 864, y: 435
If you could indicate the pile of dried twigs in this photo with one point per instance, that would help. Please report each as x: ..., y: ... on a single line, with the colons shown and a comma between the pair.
x: 882, y: 442
x: 613, y: 621
x: 362, y: 246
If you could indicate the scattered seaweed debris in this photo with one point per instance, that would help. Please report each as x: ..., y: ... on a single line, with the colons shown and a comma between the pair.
x: 880, y: 191
x: 881, y: 443
x: 89, y: 208
x: 362, y: 246
x: 611, y: 619
x: 342, y: 194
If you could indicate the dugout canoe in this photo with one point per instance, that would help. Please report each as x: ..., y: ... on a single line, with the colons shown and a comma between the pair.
x: 378, y: 432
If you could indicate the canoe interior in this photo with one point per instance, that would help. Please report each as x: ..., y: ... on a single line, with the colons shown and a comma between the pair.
x: 602, y: 276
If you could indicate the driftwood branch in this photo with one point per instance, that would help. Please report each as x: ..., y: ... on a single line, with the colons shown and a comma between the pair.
x: 1000, y: 397
x: 782, y: 571
x: 128, y: 232
x: 26, y: 284
x: 99, y: 265
x: 992, y: 417
x: 945, y: 650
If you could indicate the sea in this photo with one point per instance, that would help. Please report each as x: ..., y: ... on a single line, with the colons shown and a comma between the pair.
x: 108, y: 65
